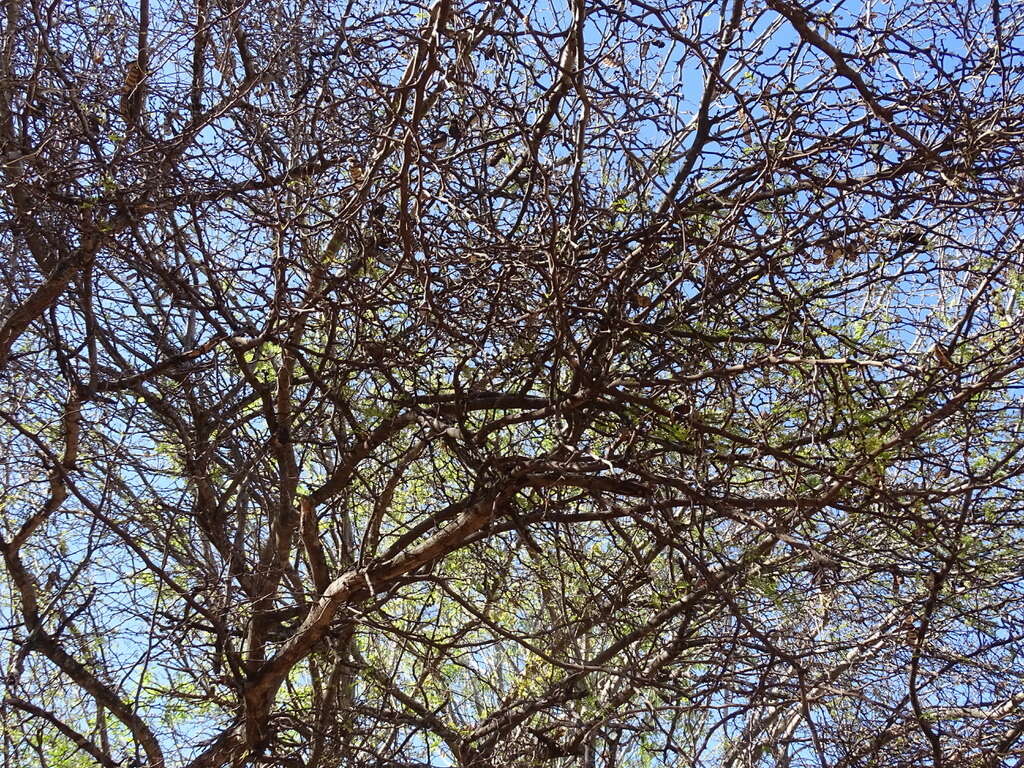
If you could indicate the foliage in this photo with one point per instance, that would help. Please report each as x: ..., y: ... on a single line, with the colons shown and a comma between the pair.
x: 489, y: 384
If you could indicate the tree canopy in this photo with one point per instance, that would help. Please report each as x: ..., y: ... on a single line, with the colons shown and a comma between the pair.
x: 496, y: 383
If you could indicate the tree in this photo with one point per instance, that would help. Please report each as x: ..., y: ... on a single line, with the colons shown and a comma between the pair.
x: 486, y: 384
